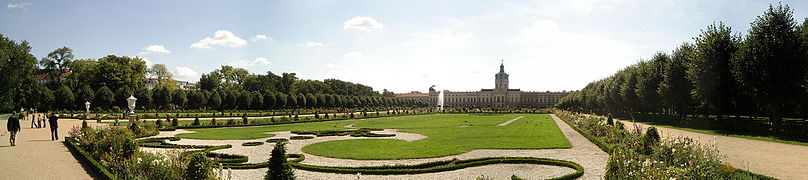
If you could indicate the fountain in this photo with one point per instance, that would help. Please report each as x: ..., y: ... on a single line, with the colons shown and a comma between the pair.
x: 440, y: 101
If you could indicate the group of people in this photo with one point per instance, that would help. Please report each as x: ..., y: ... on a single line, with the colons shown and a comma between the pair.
x: 38, y: 121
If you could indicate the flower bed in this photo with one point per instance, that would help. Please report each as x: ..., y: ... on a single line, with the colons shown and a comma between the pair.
x: 635, y: 155
x: 113, y: 153
x: 275, y: 140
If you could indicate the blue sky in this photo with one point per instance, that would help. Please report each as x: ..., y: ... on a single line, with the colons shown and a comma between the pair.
x: 399, y: 45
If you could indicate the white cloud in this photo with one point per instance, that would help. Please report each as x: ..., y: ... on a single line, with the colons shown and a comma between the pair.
x: 185, y: 74
x: 362, y: 23
x: 260, y: 61
x: 354, y: 57
x: 330, y: 65
x: 223, y: 38
x: 21, y: 5
x: 148, y: 63
x: 154, y: 49
x: 259, y: 37
x: 310, y: 44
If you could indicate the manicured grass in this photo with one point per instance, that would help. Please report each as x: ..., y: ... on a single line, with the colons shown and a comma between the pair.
x: 447, y: 136
x: 244, y: 133
x: 4, y: 116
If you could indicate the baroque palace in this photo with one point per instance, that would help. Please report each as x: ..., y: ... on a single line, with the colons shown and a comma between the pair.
x: 500, y: 96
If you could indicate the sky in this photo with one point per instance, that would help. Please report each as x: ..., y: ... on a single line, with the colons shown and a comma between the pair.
x: 401, y: 46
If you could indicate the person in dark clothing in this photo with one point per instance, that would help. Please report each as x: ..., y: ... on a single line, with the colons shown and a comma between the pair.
x: 13, y: 126
x: 54, y: 124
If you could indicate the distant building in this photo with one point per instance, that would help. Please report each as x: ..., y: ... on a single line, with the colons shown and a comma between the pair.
x: 500, y: 96
x: 47, y: 77
x: 413, y: 95
x: 151, y: 83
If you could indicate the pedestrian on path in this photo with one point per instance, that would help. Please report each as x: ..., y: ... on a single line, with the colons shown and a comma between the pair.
x: 54, y: 118
x: 13, y: 126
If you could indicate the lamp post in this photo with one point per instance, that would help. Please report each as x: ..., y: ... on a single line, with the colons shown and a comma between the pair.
x: 87, y: 113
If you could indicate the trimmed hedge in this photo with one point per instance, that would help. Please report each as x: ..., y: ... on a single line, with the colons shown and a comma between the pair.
x: 275, y: 140
x: 85, y: 157
x: 252, y: 143
x: 361, y: 132
x: 220, y: 125
x: 300, y: 137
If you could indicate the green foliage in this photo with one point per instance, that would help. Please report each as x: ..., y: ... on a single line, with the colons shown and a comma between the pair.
x: 279, y: 168
x: 212, y: 121
x: 84, y: 124
x: 610, y: 121
x: 244, y: 118
x: 159, y: 122
x: 175, y: 123
x: 199, y: 167
x: 196, y: 122
x: 252, y: 143
x: 300, y: 137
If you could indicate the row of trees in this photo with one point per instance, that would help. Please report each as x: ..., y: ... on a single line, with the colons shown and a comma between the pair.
x: 107, y: 82
x: 761, y: 74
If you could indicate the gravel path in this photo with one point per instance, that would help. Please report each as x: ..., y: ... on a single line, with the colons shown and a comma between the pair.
x: 510, y: 121
x: 583, y: 152
x: 779, y: 160
x: 36, y: 156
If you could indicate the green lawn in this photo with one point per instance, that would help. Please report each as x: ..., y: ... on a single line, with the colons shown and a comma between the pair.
x: 448, y: 134
x: 447, y: 137
x: 244, y: 133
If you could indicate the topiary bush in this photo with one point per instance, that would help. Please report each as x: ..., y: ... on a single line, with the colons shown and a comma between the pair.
x: 175, y: 123
x: 196, y: 122
x: 213, y: 121
x: 244, y: 118
x: 279, y: 168
x: 610, y: 121
x: 159, y: 122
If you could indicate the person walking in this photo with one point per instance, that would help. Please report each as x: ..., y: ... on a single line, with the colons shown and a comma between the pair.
x: 13, y: 126
x: 53, y: 121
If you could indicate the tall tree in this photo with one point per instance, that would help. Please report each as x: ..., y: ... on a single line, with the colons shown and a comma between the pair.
x: 196, y: 99
x: 214, y: 100
x: 17, y: 67
x: 161, y: 97
x: 675, y: 88
x: 178, y: 98
x: 710, y: 69
x: 771, y: 63
x: 56, y: 63
x: 65, y: 98
x: 104, y: 97
x: 163, y: 76
x: 121, y: 71
x: 84, y: 94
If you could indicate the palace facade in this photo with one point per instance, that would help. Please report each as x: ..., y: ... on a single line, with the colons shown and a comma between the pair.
x: 500, y: 96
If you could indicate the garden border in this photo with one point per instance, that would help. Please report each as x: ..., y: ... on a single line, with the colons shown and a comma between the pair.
x: 97, y: 168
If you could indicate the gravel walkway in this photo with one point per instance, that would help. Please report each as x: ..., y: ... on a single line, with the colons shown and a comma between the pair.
x: 583, y: 152
x: 36, y: 156
x: 510, y: 121
x: 779, y: 160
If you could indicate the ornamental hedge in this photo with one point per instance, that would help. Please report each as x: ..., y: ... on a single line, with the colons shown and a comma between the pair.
x: 86, y: 158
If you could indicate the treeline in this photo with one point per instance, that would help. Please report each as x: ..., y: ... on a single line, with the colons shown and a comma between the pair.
x: 721, y: 73
x: 108, y: 81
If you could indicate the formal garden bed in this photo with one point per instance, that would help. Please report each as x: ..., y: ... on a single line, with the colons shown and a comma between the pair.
x: 638, y: 155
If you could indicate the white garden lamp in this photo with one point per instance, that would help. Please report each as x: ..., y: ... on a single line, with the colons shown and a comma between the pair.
x: 131, y: 100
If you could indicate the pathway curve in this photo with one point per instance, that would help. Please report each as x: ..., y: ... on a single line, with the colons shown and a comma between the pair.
x: 583, y: 152
x: 779, y: 160
x: 510, y: 121
x: 36, y: 156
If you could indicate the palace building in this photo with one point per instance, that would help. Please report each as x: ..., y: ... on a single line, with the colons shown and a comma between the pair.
x: 500, y: 96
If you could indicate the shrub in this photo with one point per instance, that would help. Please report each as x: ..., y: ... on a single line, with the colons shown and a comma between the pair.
x: 252, y: 143
x: 244, y: 118
x: 196, y: 122
x: 159, y: 122
x: 279, y: 168
x: 199, y: 167
x: 213, y: 121
x: 296, y: 117
x: 230, y: 122
x: 84, y: 124
x: 326, y: 115
x: 176, y: 122
x: 300, y: 137
x: 610, y: 120
x: 274, y: 140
